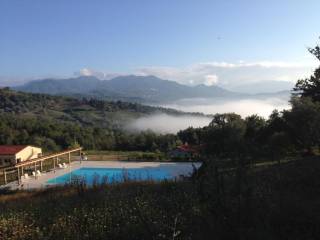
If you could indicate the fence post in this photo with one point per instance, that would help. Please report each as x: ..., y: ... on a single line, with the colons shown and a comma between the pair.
x: 19, y: 176
x: 5, y: 176
x: 35, y: 170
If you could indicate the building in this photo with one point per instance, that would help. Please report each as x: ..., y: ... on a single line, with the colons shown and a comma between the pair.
x: 10, y: 155
x: 184, y: 151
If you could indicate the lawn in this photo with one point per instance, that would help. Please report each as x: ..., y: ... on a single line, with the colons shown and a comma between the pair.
x: 125, y: 155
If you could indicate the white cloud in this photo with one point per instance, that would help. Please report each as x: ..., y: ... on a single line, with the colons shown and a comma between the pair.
x: 284, y: 78
x: 211, y: 80
x: 229, y: 75
x: 99, y: 74
x: 263, y: 64
x: 232, y: 74
x: 85, y: 72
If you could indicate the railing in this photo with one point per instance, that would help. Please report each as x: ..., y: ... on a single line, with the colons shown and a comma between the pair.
x: 44, y: 163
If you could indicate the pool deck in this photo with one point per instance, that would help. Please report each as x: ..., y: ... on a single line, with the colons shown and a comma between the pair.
x: 41, y: 181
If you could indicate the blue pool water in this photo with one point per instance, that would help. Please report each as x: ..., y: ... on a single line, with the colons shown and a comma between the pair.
x: 98, y: 175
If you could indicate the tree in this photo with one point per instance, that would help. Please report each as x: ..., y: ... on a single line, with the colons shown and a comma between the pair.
x: 255, y: 127
x: 190, y: 135
x: 224, y: 137
x: 303, y: 123
x: 310, y: 87
x: 279, y: 145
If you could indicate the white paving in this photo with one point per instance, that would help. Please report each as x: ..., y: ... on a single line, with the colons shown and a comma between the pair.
x: 176, y: 169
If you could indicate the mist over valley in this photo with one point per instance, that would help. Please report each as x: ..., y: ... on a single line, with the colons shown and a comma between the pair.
x: 153, y: 91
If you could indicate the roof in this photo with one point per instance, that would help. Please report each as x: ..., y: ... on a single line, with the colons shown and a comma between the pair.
x: 187, y: 148
x: 11, y: 149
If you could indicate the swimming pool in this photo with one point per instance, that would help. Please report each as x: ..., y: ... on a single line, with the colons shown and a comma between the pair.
x: 97, y: 175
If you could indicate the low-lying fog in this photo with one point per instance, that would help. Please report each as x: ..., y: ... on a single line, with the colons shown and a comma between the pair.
x: 243, y: 107
x: 163, y: 123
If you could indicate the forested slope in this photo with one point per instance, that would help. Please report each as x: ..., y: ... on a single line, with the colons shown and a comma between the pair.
x: 55, y: 122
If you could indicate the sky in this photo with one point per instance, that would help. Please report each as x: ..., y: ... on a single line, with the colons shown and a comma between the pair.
x: 210, y: 42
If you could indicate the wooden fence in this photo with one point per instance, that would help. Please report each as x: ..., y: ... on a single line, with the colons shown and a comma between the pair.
x: 43, y: 164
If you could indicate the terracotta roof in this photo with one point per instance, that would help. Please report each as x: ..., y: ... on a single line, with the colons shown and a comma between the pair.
x: 11, y: 149
x: 187, y: 148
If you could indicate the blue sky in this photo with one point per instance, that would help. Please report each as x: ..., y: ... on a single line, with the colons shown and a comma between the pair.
x: 57, y: 38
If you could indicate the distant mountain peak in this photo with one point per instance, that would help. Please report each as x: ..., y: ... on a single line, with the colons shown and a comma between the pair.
x: 129, y: 88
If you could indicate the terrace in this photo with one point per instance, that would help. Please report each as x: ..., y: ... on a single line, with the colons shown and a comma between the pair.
x: 43, y: 163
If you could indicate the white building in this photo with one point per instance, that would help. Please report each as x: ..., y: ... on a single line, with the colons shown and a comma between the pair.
x: 13, y: 154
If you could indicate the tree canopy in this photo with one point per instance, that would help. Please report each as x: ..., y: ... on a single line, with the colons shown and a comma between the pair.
x: 310, y: 87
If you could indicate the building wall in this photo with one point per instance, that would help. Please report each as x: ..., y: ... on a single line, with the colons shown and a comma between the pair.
x: 28, y: 153
x: 25, y: 154
x: 7, y: 160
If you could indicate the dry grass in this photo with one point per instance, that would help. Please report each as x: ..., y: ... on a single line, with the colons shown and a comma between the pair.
x: 277, y: 202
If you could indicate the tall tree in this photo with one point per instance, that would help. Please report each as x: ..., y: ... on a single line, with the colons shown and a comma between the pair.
x: 310, y: 87
x: 224, y: 137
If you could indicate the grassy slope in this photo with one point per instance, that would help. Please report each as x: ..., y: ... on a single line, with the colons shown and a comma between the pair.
x: 277, y: 203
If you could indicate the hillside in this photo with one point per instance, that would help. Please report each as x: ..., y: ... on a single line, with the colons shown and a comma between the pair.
x: 272, y: 203
x: 57, y: 122
x: 85, y: 111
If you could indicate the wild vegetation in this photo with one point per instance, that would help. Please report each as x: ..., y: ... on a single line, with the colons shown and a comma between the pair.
x: 271, y: 203
x: 229, y: 197
x: 287, y: 133
x: 58, y: 122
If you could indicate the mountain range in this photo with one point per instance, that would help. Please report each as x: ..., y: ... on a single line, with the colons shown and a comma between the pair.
x: 144, y: 89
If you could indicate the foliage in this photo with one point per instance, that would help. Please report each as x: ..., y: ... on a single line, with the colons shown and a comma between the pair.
x: 224, y: 135
x: 229, y: 197
x: 310, y: 87
x: 53, y: 135
x: 59, y: 122
x: 221, y: 203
